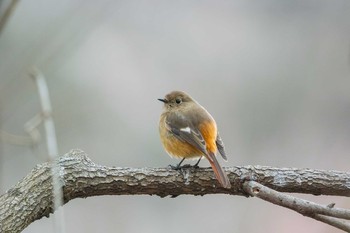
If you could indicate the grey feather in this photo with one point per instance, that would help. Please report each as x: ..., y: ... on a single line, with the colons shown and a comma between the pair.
x: 221, y: 147
x: 176, y: 125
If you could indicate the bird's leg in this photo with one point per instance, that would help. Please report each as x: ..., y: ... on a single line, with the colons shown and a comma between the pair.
x: 177, y: 167
x: 196, y: 165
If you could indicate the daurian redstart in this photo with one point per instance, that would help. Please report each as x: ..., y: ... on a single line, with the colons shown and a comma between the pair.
x: 188, y: 131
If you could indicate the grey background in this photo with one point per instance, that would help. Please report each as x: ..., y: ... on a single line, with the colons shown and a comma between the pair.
x: 274, y: 74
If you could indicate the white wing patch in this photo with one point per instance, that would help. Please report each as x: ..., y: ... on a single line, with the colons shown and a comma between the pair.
x: 187, y: 129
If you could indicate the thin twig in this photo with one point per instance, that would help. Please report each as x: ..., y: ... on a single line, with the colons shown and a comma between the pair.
x: 15, y: 139
x: 304, y: 207
x: 7, y: 14
x: 51, y: 145
x: 31, y: 127
x: 338, y: 223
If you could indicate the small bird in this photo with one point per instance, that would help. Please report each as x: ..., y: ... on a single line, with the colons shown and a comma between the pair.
x: 188, y: 131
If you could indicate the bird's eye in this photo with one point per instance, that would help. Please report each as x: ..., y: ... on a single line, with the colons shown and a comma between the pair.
x: 178, y: 101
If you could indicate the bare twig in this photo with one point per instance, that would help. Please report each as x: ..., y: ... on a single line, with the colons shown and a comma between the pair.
x: 7, y: 14
x: 15, y: 139
x: 304, y: 207
x: 341, y: 224
x: 51, y: 143
x: 46, y: 112
x: 31, y: 127
x: 82, y: 178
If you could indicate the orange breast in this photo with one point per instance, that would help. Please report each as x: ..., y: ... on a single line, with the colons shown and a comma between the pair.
x: 180, y: 149
x: 209, y: 133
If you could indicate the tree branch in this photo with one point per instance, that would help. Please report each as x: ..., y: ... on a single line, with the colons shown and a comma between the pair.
x: 32, y: 198
x: 326, y: 214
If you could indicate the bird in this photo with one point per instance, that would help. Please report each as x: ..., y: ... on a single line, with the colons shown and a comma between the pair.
x: 188, y: 131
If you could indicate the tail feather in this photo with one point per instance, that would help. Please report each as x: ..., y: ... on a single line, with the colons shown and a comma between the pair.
x: 219, y: 172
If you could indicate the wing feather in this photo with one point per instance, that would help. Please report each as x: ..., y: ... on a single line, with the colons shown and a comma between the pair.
x: 184, y: 131
x: 221, y: 147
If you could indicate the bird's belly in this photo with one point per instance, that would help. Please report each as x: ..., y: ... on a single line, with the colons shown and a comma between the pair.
x: 179, y: 149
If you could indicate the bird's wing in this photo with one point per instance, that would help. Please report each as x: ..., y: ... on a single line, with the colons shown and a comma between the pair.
x: 221, y: 147
x: 183, y: 130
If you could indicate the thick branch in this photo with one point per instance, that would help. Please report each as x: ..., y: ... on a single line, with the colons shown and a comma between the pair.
x: 31, y: 198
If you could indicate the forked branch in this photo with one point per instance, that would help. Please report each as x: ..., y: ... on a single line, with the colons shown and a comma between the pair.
x: 327, y: 214
x: 31, y: 198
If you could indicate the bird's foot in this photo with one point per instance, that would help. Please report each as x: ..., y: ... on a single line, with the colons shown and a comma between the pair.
x: 177, y: 167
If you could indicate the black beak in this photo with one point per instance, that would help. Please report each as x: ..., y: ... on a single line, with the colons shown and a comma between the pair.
x: 163, y: 100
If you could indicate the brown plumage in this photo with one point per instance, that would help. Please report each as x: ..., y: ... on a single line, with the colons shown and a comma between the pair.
x: 188, y: 131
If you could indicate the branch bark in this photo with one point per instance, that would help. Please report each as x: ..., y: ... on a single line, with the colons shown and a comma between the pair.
x: 32, y: 198
x: 327, y: 214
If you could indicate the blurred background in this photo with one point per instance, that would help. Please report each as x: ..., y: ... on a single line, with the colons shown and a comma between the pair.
x: 274, y: 74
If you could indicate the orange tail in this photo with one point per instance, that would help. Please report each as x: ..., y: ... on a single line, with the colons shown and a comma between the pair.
x: 219, y: 172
